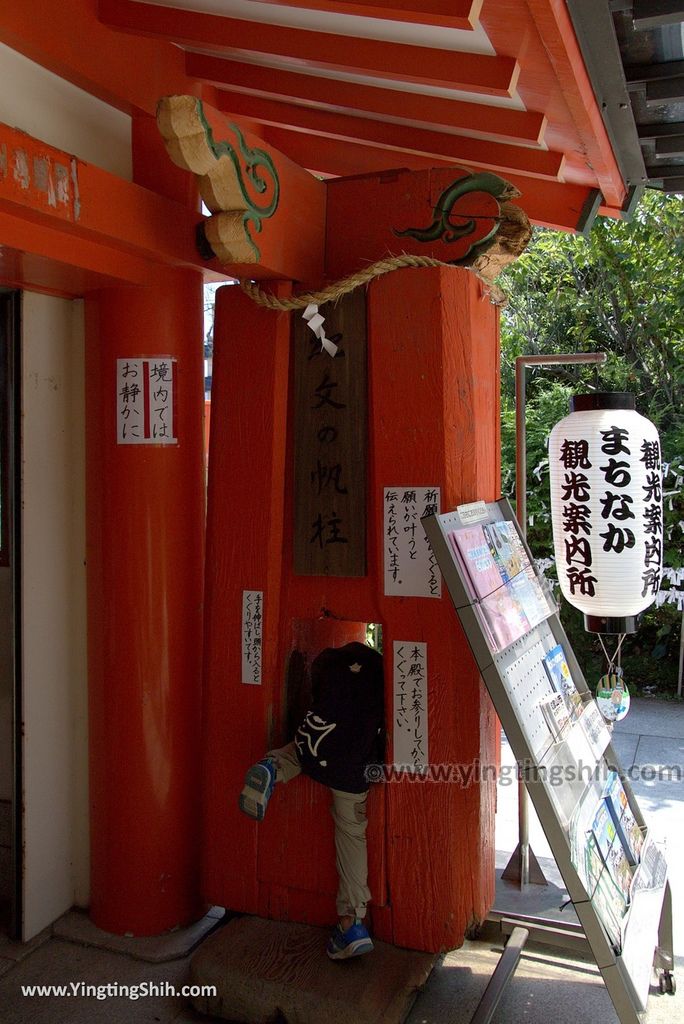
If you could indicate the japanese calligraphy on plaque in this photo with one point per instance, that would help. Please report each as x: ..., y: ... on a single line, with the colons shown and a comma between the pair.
x: 145, y: 401
x: 410, y: 706
x: 411, y: 569
x: 330, y: 443
x: 252, y: 636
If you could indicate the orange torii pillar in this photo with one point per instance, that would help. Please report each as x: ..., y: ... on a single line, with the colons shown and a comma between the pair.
x: 145, y: 535
x: 145, y: 562
x: 433, y: 421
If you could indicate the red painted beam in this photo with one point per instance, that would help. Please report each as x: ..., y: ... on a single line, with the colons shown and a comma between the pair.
x: 462, y: 14
x: 502, y: 123
x: 554, y: 78
x: 68, y: 39
x: 550, y: 204
x: 456, y: 148
x: 472, y: 72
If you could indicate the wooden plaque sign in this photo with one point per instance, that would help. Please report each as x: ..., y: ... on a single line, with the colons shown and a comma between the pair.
x: 330, y: 396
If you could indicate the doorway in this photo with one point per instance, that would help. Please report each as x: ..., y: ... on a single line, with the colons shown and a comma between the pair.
x: 10, y: 696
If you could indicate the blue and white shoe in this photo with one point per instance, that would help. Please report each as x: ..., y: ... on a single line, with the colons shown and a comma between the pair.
x: 256, y: 792
x: 354, y: 942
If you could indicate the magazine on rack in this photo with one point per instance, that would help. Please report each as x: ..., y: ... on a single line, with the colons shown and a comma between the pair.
x: 560, y: 678
x: 628, y: 831
x: 611, y: 848
x: 556, y: 714
x: 594, y: 727
x: 508, y: 601
x: 606, y: 897
x: 511, y: 557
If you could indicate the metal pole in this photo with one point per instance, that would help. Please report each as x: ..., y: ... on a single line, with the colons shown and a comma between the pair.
x: 521, y: 363
x: 505, y: 969
x: 681, y: 657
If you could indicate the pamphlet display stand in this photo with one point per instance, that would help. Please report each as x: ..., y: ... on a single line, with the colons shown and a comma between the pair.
x: 616, y: 876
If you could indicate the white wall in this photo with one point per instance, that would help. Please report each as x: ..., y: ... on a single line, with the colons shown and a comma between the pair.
x: 56, y: 842
x: 64, y: 116
x: 54, y: 683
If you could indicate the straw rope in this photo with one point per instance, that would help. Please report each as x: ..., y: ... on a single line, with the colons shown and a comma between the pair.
x: 362, y: 277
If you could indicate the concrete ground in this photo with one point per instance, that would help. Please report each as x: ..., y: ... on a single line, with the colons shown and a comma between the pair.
x: 548, y: 985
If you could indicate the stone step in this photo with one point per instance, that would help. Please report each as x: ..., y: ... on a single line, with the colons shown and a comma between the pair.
x: 267, y: 971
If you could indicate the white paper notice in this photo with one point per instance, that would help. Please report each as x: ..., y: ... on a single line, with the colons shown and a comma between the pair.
x: 145, y: 401
x: 410, y: 705
x: 411, y: 569
x: 252, y: 636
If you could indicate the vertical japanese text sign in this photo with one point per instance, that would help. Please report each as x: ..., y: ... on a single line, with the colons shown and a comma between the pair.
x: 252, y: 636
x: 411, y: 568
x: 146, y: 401
x: 330, y: 443
x: 410, y: 732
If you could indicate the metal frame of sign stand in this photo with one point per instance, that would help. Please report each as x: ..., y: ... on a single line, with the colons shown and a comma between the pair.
x: 627, y: 975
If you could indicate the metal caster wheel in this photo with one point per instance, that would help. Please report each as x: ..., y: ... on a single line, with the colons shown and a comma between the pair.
x: 667, y: 983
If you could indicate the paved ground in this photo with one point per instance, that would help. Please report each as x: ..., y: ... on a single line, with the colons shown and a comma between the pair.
x: 547, y: 986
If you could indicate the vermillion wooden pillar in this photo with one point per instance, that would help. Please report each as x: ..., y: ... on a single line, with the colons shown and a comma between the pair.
x: 433, y: 421
x: 245, y: 518
x: 145, y: 527
x: 433, y: 342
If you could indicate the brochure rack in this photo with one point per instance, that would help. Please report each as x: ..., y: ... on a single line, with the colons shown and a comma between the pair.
x: 565, y: 775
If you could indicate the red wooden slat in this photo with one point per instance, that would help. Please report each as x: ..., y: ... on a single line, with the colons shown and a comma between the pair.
x: 474, y: 72
x: 496, y: 156
x: 461, y: 14
x: 547, y: 203
x: 501, y: 123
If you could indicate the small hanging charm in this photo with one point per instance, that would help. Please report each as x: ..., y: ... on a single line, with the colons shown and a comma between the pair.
x: 612, y: 695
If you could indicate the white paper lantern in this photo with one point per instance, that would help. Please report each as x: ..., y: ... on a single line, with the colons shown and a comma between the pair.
x: 607, y: 510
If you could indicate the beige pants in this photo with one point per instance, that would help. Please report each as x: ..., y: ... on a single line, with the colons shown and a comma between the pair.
x: 349, y: 814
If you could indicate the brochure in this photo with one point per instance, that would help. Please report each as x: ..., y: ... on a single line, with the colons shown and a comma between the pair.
x: 556, y: 714
x: 560, y: 678
x: 512, y: 552
x: 606, y: 898
x: 594, y: 728
x: 502, y: 580
x: 626, y: 827
x: 611, y: 848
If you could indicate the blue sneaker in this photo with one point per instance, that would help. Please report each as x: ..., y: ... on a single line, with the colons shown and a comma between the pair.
x: 354, y: 942
x: 256, y: 792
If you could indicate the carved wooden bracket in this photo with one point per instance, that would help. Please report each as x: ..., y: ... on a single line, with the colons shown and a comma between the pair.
x: 271, y: 218
x: 446, y: 213
x: 243, y: 182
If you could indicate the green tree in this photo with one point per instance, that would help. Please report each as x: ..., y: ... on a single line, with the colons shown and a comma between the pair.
x: 619, y: 291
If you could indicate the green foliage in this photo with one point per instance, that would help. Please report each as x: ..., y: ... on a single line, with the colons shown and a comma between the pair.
x: 619, y: 291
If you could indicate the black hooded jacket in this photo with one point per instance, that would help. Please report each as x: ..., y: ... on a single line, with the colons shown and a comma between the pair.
x: 343, y: 730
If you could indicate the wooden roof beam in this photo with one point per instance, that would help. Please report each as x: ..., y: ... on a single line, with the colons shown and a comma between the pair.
x: 469, y: 72
x: 502, y: 123
x: 638, y: 74
x: 665, y: 172
x: 660, y: 131
x: 550, y: 204
x: 494, y: 156
x: 665, y: 90
x: 656, y: 13
x: 673, y: 146
x: 460, y: 14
